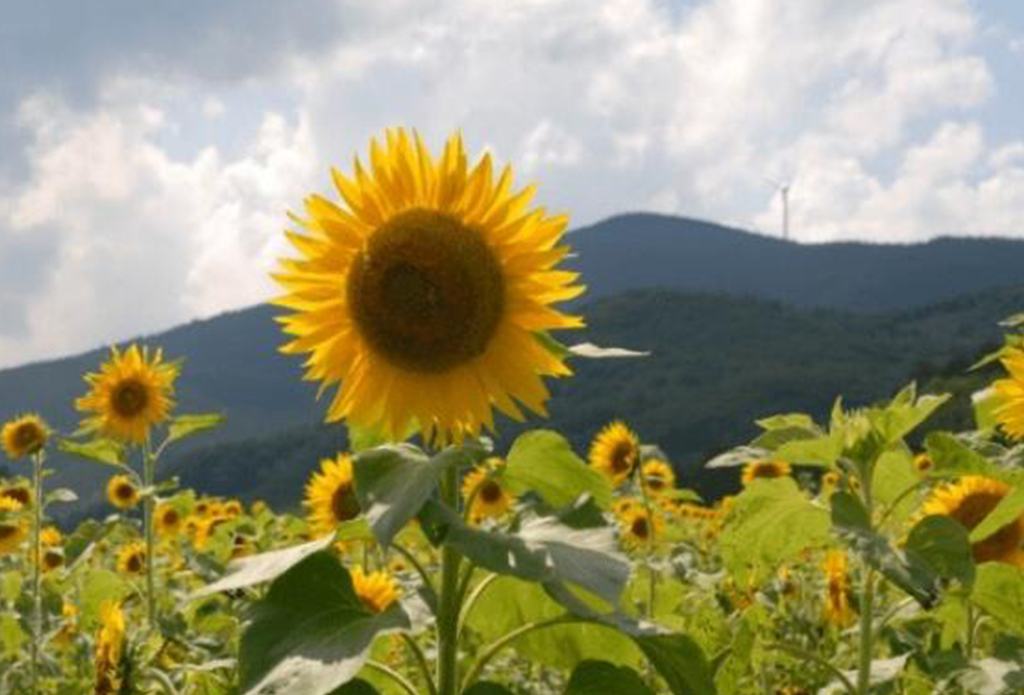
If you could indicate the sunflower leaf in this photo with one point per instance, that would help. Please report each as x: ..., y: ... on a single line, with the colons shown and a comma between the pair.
x: 61, y: 494
x: 106, y: 451
x: 1006, y: 512
x: 596, y: 352
x: 944, y: 545
x: 311, y: 633
x: 543, y: 461
x: 593, y: 677
x: 264, y: 567
x: 999, y: 591
x: 186, y: 425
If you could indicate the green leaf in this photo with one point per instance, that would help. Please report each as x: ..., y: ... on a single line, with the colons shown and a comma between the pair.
x: 740, y: 456
x: 542, y: 550
x: 311, y: 633
x: 509, y: 603
x: 771, y: 522
x: 818, y: 451
x: 881, y: 671
x: 943, y: 544
x: 543, y: 461
x: 363, y: 438
x: 950, y: 457
x: 788, y: 420
x: 595, y: 352
x: 264, y: 567
x: 392, y: 484
x: 12, y: 637
x: 893, y: 474
x: 999, y: 591
x: 984, y: 404
x: 1006, y: 512
x: 10, y: 585
x: 904, y: 413
x: 487, y: 688
x: 680, y: 662
x: 98, y: 586
x: 186, y: 425
x: 356, y: 687
x: 62, y: 494
x: 849, y: 514
x: 594, y: 677
x: 105, y: 451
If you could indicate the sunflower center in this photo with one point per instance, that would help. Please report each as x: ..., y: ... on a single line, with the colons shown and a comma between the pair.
x: 427, y: 292
x: 655, y: 483
x: 972, y: 511
x: 622, y: 458
x: 7, y: 531
x: 27, y: 436
x: 129, y: 398
x: 135, y: 563
x: 344, y: 505
x: 18, y: 494
x: 767, y: 470
x: 490, y: 492
x: 171, y: 517
x: 640, y: 527
x: 124, y: 491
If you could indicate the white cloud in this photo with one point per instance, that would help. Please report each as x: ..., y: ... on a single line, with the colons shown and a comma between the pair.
x: 162, y: 195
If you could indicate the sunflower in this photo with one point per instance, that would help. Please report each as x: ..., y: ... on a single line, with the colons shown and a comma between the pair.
x: 12, y: 529
x: 1009, y: 413
x: 22, y: 494
x: 377, y: 590
x: 615, y: 452
x: 968, y: 501
x: 637, y: 528
x: 923, y: 463
x: 829, y: 482
x: 168, y: 520
x: 122, y: 492
x: 109, y: 648
x: 657, y: 476
x: 51, y: 536
x: 129, y: 394
x: 24, y: 436
x: 766, y: 468
x: 232, y: 509
x: 330, y: 496
x: 427, y: 294
x: 131, y: 559
x: 837, y: 606
x: 486, y: 498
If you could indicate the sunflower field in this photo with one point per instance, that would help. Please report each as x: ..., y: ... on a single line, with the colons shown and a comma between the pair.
x: 427, y: 561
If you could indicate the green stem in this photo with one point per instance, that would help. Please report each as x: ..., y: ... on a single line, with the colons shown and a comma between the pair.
x: 416, y: 564
x: 393, y: 675
x: 808, y: 656
x: 478, y: 590
x: 867, y: 597
x: 495, y: 647
x: 971, y: 625
x: 37, y: 566
x: 421, y: 661
x: 148, y: 474
x: 449, y: 609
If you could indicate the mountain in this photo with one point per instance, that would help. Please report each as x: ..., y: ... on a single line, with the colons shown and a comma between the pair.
x: 720, y: 358
x: 642, y: 250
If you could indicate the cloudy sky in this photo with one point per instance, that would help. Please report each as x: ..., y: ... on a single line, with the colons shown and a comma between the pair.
x: 149, y: 150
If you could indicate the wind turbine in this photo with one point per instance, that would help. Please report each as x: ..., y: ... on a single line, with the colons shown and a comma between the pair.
x: 783, y: 189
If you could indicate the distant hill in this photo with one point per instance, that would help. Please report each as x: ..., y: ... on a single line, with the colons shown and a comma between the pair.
x: 731, y: 321
x: 643, y: 250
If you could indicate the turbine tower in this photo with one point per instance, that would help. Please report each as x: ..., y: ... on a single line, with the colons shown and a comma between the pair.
x: 783, y: 189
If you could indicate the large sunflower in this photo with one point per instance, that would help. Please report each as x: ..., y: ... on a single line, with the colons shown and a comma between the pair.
x: 764, y: 469
x: 615, y: 452
x: 377, y: 590
x: 330, y: 496
x: 1010, y: 411
x: 24, y: 436
x: 425, y: 294
x: 968, y: 501
x: 12, y: 529
x: 130, y: 394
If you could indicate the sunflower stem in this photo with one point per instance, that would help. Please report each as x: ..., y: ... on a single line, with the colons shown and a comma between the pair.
x: 37, y: 562
x: 867, y: 597
x: 148, y: 473
x: 449, y: 608
x: 971, y: 627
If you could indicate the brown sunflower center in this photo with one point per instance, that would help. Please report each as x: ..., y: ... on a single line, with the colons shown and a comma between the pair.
x: 427, y: 293
x: 129, y: 398
x: 767, y: 470
x: 22, y: 495
x: 640, y: 528
x: 8, y: 531
x: 124, y: 491
x: 52, y: 559
x: 490, y: 492
x: 655, y: 483
x: 972, y: 510
x: 344, y: 505
x: 623, y: 457
x: 28, y: 436
x: 134, y: 563
x: 171, y: 517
